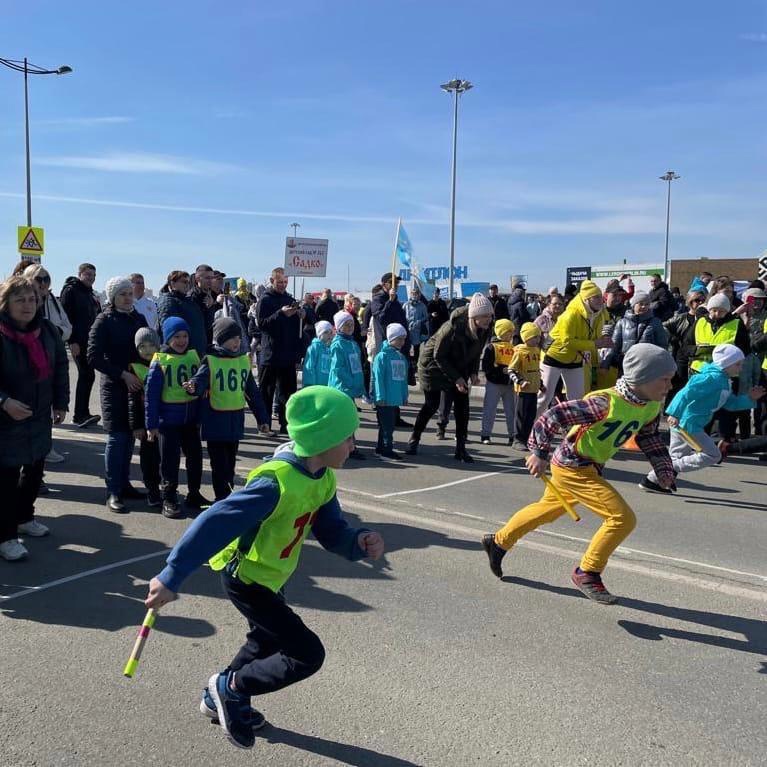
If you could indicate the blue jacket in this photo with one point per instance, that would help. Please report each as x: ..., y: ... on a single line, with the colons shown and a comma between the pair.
x: 389, y: 377
x: 346, y: 367
x: 702, y: 396
x: 316, y: 364
x: 159, y: 413
x: 229, y: 425
x: 417, y: 322
x: 244, y: 511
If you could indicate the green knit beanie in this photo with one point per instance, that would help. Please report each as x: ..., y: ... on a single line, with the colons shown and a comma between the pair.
x: 320, y: 418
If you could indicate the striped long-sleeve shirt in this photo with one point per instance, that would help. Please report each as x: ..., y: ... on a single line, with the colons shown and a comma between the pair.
x: 591, y: 410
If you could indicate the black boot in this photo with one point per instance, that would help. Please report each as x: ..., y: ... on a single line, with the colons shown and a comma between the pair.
x: 412, y: 446
x: 461, y: 454
x: 495, y: 554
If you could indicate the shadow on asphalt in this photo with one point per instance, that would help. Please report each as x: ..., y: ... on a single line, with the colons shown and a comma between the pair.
x: 344, y: 753
x: 754, y: 631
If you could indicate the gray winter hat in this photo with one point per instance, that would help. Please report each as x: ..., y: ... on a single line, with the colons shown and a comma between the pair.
x: 646, y: 362
x: 640, y: 297
x: 719, y: 301
x: 146, y: 336
x: 115, y: 285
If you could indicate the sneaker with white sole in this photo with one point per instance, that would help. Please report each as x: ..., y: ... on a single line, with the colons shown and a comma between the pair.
x: 233, y: 709
x: 208, y: 708
x: 54, y: 457
x: 33, y: 529
x: 13, y: 550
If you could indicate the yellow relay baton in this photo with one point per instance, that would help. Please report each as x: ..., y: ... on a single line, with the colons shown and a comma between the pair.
x: 689, y: 439
x: 138, y: 647
x: 568, y: 508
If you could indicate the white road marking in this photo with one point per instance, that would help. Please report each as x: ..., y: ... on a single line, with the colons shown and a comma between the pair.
x: 446, y: 484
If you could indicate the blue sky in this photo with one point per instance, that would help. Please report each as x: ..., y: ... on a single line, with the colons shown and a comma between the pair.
x: 198, y: 131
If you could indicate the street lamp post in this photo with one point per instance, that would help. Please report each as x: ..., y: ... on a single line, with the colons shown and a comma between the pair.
x: 296, y: 226
x: 30, y: 69
x: 668, y: 176
x: 456, y: 87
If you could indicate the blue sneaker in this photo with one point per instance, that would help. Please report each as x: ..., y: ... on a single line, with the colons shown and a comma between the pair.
x: 208, y: 708
x: 233, y: 710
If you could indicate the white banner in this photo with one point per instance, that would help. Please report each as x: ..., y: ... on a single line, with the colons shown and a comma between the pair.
x: 305, y: 257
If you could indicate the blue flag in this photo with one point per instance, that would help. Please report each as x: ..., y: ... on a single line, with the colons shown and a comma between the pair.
x: 407, y: 259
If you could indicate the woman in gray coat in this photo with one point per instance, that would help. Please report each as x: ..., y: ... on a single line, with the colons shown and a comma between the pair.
x: 34, y: 394
x: 638, y: 325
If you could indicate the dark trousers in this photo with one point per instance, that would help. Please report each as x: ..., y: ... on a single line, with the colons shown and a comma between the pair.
x: 386, y: 415
x: 85, y: 378
x: 432, y: 399
x: 174, y: 440
x: 117, y: 458
x: 279, y: 649
x: 445, y: 406
x: 527, y: 404
x: 413, y: 368
x: 223, y: 456
x: 283, y: 379
x: 18, y: 490
x: 149, y: 456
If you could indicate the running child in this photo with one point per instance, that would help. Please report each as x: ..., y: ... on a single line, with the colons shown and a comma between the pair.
x: 390, y: 387
x: 254, y: 537
x: 172, y: 416
x: 317, y: 359
x: 525, y: 371
x: 596, y: 428
x: 225, y: 382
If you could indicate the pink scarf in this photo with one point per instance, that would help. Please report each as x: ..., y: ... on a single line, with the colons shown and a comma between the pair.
x: 41, y: 366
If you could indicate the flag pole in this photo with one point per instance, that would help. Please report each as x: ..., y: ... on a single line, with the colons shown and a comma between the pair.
x: 301, y: 321
x: 394, y: 256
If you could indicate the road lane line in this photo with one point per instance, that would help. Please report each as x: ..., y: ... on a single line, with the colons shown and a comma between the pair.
x: 34, y: 589
x: 447, y: 484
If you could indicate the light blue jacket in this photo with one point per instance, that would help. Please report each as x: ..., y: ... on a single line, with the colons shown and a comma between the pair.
x: 346, y: 367
x: 417, y: 321
x: 702, y: 396
x: 389, y: 377
x: 316, y: 364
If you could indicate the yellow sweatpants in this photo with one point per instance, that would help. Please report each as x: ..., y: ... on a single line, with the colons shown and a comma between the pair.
x: 584, y: 486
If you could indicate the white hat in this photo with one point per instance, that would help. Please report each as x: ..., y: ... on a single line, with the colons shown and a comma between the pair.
x: 341, y: 318
x: 725, y: 355
x: 395, y: 330
x: 719, y: 301
x: 322, y: 327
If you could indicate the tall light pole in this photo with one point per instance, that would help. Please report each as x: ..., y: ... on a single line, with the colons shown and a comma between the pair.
x: 457, y: 87
x: 296, y: 227
x: 30, y: 69
x: 668, y: 176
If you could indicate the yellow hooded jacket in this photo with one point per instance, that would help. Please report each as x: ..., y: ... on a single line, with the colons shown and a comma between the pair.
x: 573, y: 335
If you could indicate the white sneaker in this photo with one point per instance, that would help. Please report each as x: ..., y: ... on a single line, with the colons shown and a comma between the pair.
x: 54, y: 457
x: 34, y: 529
x: 12, y: 550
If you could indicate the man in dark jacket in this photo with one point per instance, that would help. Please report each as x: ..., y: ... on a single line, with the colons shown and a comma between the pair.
x: 500, y: 307
x: 204, y: 296
x: 518, y: 313
x: 173, y: 301
x: 662, y: 303
x: 82, y: 307
x: 438, y: 313
x: 327, y: 307
x: 279, y: 320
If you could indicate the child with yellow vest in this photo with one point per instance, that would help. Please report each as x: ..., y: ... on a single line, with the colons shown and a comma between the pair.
x: 172, y: 416
x: 225, y: 382
x: 525, y: 371
x: 496, y: 359
x: 258, y: 532
x: 596, y: 427
x: 147, y: 345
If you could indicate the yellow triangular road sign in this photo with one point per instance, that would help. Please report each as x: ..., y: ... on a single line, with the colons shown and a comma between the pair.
x: 31, y: 239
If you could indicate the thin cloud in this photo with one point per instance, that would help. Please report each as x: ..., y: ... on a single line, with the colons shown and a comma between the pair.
x: 755, y: 37
x: 84, y: 122
x: 137, y: 162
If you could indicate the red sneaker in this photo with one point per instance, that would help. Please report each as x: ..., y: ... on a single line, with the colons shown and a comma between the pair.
x: 591, y: 585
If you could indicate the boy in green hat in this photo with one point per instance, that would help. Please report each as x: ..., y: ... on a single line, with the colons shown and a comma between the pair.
x: 254, y: 537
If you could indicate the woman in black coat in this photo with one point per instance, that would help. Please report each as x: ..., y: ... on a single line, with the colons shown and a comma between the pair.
x: 110, y: 351
x: 34, y: 394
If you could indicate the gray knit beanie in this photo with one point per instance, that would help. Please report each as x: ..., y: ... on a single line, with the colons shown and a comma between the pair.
x: 640, y: 297
x: 146, y: 336
x: 719, y: 301
x: 115, y: 285
x: 647, y: 362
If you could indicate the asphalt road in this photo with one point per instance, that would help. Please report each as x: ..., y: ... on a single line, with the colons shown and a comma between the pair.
x: 431, y: 660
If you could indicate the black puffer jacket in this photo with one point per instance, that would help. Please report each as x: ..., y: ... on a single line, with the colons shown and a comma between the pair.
x: 110, y: 351
x: 281, y: 343
x: 452, y: 353
x: 27, y: 441
x: 174, y: 304
x: 82, y: 307
x: 518, y: 313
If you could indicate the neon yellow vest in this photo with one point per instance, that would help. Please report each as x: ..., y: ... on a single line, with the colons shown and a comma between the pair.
x: 601, y: 441
x: 270, y: 557
x: 228, y: 376
x: 504, y: 351
x: 176, y: 370
x: 140, y: 370
x: 706, y: 340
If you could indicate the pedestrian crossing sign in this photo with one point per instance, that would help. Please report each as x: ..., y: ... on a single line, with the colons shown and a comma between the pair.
x: 31, y: 240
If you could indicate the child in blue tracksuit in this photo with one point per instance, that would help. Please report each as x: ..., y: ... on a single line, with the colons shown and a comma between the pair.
x: 693, y: 407
x: 225, y: 382
x: 389, y: 385
x: 317, y: 359
x: 172, y: 416
x: 346, y: 373
x: 254, y: 538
